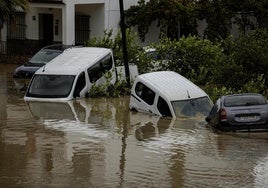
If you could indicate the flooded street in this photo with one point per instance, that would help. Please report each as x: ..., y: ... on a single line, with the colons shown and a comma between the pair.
x: 100, y: 143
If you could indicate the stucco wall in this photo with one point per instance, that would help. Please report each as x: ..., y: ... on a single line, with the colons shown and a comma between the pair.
x: 96, y: 13
x: 32, y: 22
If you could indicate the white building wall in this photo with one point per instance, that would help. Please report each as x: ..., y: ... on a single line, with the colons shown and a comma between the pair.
x: 32, y: 27
x: 104, y: 15
x: 68, y: 23
x: 96, y: 13
x: 32, y: 19
x: 112, y: 18
x: 58, y: 18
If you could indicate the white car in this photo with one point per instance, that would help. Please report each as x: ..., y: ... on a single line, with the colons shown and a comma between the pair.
x: 167, y: 93
x: 71, y: 74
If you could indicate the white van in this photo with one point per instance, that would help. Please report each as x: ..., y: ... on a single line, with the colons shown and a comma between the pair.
x: 167, y: 93
x: 71, y: 74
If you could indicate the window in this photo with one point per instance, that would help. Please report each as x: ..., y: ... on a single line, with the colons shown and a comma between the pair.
x: 244, y: 100
x: 96, y: 71
x: 80, y: 84
x: 50, y: 86
x: 192, y: 107
x: 145, y: 93
x: 16, y: 29
x: 163, y: 107
x: 107, y: 63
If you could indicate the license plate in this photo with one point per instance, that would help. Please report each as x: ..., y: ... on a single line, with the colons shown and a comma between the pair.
x: 248, y: 118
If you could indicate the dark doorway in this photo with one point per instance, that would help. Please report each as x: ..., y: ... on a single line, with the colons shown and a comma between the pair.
x: 45, y: 29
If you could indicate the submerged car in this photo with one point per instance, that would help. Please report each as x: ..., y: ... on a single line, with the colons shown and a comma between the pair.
x: 158, y: 60
x: 238, y: 112
x: 168, y: 94
x: 71, y: 75
x: 42, y: 57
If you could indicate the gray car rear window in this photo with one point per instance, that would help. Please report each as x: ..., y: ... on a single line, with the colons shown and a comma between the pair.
x: 244, y: 100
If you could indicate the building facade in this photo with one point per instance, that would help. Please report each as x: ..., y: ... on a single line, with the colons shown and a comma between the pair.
x: 60, y: 21
x: 70, y: 22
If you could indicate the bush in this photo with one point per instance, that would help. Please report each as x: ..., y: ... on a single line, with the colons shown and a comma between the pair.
x: 195, y: 58
x: 120, y: 88
x: 247, y: 59
x: 135, y: 52
x: 235, y: 65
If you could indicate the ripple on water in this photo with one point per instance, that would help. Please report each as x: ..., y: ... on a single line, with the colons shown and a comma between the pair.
x: 89, y: 132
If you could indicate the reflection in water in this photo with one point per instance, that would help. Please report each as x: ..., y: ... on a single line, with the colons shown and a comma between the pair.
x: 100, y: 143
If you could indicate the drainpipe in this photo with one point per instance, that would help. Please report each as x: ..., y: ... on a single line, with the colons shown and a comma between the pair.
x: 124, y: 42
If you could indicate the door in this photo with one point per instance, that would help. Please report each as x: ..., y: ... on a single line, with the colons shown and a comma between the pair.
x: 46, y: 35
x: 143, y: 99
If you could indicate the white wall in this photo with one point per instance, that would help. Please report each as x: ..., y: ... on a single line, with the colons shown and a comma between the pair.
x: 112, y: 19
x: 58, y: 17
x: 96, y: 13
x: 32, y: 26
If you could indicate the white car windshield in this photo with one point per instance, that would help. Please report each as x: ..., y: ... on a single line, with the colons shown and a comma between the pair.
x: 192, y: 107
x: 51, y: 86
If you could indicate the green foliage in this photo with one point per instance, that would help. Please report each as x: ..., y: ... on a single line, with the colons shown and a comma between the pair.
x: 166, y: 13
x: 136, y: 54
x: 180, y: 16
x: 215, y: 91
x: 218, y: 17
x: 192, y: 57
x: 120, y: 88
x: 235, y: 65
x: 256, y: 85
x: 247, y: 59
x: 115, y: 43
x: 8, y: 7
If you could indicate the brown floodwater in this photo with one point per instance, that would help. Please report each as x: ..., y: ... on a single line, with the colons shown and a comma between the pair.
x: 100, y: 143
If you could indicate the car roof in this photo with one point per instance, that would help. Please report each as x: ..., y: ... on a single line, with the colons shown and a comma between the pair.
x: 60, y: 47
x: 223, y: 97
x: 236, y: 100
x: 243, y: 94
x: 172, y: 85
x: 74, y: 60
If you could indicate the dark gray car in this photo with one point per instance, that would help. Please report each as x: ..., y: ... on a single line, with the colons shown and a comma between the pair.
x: 42, y: 57
x: 247, y: 111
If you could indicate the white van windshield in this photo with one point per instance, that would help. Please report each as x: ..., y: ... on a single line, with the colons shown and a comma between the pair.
x: 51, y: 86
x: 192, y: 107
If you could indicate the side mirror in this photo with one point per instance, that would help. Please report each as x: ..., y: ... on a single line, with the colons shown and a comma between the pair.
x: 208, y: 119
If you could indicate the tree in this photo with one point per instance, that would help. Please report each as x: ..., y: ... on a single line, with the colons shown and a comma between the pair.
x: 221, y: 14
x: 169, y: 15
x: 8, y: 7
x: 247, y: 57
x: 218, y: 17
x: 173, y: 16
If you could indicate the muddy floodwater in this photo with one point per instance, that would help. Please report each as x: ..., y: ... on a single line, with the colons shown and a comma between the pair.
x: 100, y: 143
